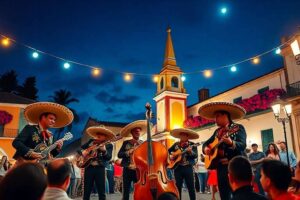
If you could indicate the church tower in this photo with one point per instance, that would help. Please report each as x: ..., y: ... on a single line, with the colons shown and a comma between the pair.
x: 170, y: 98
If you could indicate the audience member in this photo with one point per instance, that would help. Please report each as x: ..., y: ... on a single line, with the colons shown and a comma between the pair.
x: 240, y: 179
x: 58, y: 174
x: 272, y: 152
x: 275, y: 179
x: 256, y: 158
x: 201, y: 172
x: 26, y: 181
x: 283, y: 156
x: 3, y: 167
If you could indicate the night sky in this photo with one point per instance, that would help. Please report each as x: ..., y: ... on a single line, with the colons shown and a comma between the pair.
x: 130, y: 36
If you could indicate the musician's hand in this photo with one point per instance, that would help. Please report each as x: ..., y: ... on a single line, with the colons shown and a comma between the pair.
x: 172, y: 157
x: 102, y: 148
x: 207, y: 151
x: 227, y: 140
x: 35, y: 155
x: 59, y: 144
x: 130, y: 151
x: 189, y: 149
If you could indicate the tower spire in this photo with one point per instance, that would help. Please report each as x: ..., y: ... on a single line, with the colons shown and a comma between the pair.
x: 169, y: 52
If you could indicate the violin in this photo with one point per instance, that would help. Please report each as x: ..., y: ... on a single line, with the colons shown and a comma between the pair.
x: 150, y: 159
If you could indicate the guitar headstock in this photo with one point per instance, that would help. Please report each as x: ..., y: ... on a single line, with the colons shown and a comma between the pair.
x: 67, y: 136
x: 148, y: 111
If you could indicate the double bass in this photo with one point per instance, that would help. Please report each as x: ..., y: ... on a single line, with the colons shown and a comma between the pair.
x: 150, y: 159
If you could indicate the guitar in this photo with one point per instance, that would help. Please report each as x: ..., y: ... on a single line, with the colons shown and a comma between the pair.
x: 91, y: 152
x: 172, y: 164
x: 211, y: 160
x: 45, y: 150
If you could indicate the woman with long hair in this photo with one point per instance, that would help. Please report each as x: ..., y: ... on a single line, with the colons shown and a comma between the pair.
x: 3, y: 167
x: 272, y: 152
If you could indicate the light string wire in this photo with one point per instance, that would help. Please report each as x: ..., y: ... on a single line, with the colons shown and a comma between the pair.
x: 140, y: 74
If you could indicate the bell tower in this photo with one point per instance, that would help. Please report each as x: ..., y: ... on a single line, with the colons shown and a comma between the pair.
x: 171, y: 95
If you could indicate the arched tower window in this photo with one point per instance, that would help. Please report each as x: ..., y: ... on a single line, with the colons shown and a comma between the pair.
x: 174, y: 82
x: 161, y: 83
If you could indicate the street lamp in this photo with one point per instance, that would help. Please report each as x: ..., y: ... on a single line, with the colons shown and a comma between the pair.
x: 296, y: 51
x: 282, y: 117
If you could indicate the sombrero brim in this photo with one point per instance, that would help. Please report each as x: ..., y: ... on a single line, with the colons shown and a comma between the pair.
x: 126, y: 131
x: 191, y: 134
x: 209, y: 110
x: 93, y: 131
x: 64, y: 116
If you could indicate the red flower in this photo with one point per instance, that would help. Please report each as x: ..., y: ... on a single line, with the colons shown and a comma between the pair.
x: 5, y: 117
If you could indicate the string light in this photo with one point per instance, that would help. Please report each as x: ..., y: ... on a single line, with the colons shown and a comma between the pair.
x: 96, y: 72
x: 35, y: 55
x: 67, y: 65
x: 278, y: 51
x: 207, y: 73
x: 233, y: 69
x: 128, y: 77
x: 183, y: 78
x: 5, y: 42
x: 256, y: 60
x: 155, y: 79
x: 224, y: 10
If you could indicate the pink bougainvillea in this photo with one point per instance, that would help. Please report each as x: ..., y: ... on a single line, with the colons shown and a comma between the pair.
x: 256, y: 103
x: 5, y: 117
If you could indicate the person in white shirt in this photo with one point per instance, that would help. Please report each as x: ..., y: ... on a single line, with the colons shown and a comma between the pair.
x: 201, y: 172
x: 58, y: 174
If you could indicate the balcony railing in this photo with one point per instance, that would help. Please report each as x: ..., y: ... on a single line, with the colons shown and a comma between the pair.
x: 293, y: 89
x: 7, y: 132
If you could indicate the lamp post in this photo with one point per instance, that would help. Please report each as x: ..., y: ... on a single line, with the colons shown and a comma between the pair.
x: 296, y: 50
x: 282, y: 117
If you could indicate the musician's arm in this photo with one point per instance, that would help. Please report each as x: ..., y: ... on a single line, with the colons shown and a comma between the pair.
x: 210, y: 140
x: 240, y: 143
x: 194, y: 153
x: 19, y: 141
x: 122, y: 152
x: 85, y: 146
x: 108, y: 153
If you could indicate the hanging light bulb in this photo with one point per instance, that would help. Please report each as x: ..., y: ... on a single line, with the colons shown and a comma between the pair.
x: 256, y: 60
x: 233, y: 69
x: 278, y: 51
x: 207, y: 73
x: 67, y: 65
x: 155, y: 79
x: 5, y: 42
x: 96, y: 72
x: 128, y: 77
x: 183, y: 78
x: 35, y: 54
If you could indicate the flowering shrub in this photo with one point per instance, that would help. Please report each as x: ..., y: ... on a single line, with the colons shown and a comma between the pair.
x: 5, y: 117
x: 256, y: 103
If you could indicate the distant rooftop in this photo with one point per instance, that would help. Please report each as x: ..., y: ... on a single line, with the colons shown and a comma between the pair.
x: 6, y: 97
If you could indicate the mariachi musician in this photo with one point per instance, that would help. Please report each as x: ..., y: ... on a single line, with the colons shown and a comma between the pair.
x: 95, y: 171
x: 42, y: 116
x: 184, y: 170
x: 231, y: 137
x: 135, y: 129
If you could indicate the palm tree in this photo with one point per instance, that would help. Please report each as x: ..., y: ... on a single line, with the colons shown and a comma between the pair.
x: 64, y: 97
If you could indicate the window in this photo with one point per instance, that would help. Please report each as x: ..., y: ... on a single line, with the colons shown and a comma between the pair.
x: 237, y: 100
x: 161, y: 83
x: 174, y: 82
x: 262, y: 90
x: 266, y: 138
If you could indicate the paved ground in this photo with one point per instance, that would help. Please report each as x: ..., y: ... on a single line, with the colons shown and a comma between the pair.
x: 185, y: 197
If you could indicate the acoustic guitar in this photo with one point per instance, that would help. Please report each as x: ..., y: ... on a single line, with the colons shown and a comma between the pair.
x: 91, y: 153
x: 172, y: 164
x: 45, y: 150
x: 211, y: 160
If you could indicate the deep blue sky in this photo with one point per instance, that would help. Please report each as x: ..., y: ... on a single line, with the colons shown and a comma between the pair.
x: 130, y: 35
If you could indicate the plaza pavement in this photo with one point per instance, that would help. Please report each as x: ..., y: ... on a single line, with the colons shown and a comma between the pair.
x: 185, y: 194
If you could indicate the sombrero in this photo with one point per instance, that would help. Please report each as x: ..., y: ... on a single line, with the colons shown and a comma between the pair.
x: 209, y: 110
x: 126, y: 131
x: 191, y: 134
x: 64, y: 116
x: 94, y: 131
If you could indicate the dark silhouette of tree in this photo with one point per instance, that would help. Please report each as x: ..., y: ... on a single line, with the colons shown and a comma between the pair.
x: 65, y: 98
x: 9, y: 81
x: 28, y: 89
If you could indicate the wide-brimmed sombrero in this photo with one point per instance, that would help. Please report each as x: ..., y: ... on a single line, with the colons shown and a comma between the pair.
x: 209, y: 110
x: 191, y: 134
x: 95, y: 131
x: 64, y: 116
x: 126, y: 131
